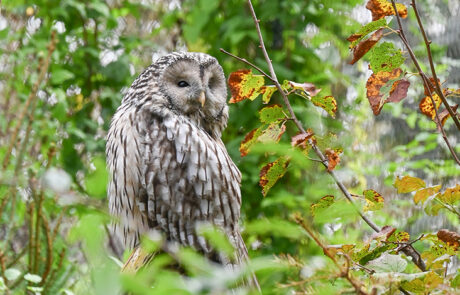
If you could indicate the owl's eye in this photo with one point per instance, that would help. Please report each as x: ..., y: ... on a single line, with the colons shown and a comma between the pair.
x: 182, y: 84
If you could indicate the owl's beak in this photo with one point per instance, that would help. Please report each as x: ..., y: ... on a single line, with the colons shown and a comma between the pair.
x: 202, y: 98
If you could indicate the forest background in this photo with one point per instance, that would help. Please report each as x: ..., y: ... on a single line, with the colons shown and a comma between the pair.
x: 65, y: 65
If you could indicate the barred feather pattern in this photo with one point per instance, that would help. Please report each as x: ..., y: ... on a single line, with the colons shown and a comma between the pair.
x: 169, y: 170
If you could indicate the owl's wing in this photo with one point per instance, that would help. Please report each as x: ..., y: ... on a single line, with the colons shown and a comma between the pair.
x: 189, y: 179
x: 125, y: 164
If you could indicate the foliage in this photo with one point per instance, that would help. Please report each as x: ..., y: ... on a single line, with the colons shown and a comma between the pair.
x: 65, y: 65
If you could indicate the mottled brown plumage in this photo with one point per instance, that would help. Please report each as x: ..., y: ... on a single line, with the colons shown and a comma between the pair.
x: 169, y: 169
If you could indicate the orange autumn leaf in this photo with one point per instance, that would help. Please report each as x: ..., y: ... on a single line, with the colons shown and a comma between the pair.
x: 332, y: 158
x: 364, y: 46
x: 382, y: 8
x: 378, y: 82
x: 426, y: 105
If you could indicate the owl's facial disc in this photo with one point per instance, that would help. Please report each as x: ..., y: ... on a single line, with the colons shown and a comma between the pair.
x: 193, y: 87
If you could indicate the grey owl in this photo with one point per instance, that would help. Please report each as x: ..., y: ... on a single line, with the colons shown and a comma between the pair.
x: 169, y: 169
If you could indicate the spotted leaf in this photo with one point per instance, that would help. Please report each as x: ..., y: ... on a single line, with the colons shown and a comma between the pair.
x: 382, y: 8
x: 373, y: 199
x: 408, y: 184
x: 245, y: 85
x: 271, y: 173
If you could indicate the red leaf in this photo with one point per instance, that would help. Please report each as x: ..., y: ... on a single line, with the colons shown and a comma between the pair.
x: 332, y: 158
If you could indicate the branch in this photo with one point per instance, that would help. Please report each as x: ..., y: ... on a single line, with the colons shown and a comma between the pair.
x: 315, y: 148
x: 344, y: 270
x: 248, y: 63
x: 299, y: 125
x: 426, y: 81
x: 433, y: 71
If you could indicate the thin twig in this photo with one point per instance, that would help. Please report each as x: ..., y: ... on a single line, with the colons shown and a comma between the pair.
x: 427, y: 84
x: 433, y: 70
x: 43, y: 70
x: 248, y: 63
x: 344, y: 270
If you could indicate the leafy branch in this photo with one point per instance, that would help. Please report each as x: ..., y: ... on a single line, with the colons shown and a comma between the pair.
x: 307, y: 135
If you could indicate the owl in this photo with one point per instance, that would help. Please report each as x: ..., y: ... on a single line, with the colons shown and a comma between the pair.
x: 169, y: 168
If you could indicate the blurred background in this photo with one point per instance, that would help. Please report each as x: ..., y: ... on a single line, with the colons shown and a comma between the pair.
x: 64, y: 67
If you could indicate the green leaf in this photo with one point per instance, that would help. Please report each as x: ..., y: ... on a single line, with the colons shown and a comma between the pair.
x: 385, y: 57
x: 321, y: 204
x: 12, y: 274
x: 272, y: 172
x: 388, y: 263
x: 373, y: 199
x: 96, y: 181
x: 100, y: 8
x: 456, y: 281
x: 339, y: 211
x: 328, y: 103
x: 33, y: 278
x: 275, y: 227
x: 244, y: 85
x: 365, y: 30
x: 60, y: 75
x: 271, y: 114
x: 267, y: 93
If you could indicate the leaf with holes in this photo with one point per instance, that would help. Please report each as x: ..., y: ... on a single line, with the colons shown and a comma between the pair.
x: 423, y: 194
x: 382, y: 8
x: 365, y: 30
x: 327, y: 103
x: 385, y: 57
x: 322, y: 204
x: 408, y: 184
x: 271, y: 173
x: 383, y: 87
x: 272, y: 113
x: 426, y: 105
x: 245, y: 85
x: 364, y: 46
x: 373, y: 199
